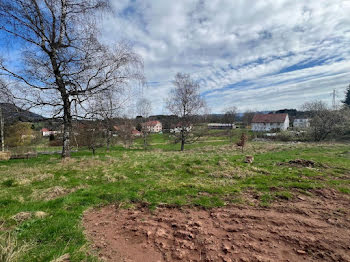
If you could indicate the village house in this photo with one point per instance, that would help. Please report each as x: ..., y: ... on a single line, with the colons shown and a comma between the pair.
x: 136, y: 132
x: 153, y: 126
x: 46, y: 132
x: 126, y: 129
x: 301, y: 123
x: 270, y: 122
x: 178, y: 127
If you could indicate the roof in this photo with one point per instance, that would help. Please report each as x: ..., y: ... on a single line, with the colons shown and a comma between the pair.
x: 135, y: 132
x: 269, y: 118
x: 44, y: 130
x: 152, y: 123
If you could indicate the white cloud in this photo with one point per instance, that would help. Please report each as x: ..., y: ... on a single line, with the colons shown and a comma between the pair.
x: 225, y: 42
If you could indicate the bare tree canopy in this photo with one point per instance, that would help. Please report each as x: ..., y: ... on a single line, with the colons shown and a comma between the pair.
x: 105, y: 107
x: 324, y: 121
x: 144, y: 109
x: 185, y: 102
x: 230, y: 115
x: 64, y: 63
x: 248, y: 117
x: 5, y: 94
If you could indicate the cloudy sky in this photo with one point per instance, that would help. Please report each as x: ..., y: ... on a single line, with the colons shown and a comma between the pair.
x: 253, y: 54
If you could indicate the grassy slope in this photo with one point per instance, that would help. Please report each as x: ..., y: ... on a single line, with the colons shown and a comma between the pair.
x: 207, y: 174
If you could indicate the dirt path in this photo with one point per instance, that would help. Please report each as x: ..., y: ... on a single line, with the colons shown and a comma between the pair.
x: 306, y: 229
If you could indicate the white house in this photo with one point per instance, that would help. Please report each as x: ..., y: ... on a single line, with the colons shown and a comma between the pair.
x: 178, y: 127
x: 268, y: 122
x: 47, y: 132
x: 153, y: 126
x: 301, y: 123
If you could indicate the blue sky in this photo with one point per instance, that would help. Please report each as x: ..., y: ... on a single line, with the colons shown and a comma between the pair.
x: 245, y: 53
x: 252, y: 54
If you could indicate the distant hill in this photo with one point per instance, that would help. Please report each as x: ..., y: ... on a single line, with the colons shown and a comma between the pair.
x: 13, y: 113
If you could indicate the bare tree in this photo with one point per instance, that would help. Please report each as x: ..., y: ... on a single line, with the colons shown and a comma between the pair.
x: 324, y: 121
x: 124, y: 131
x: 185, y: 102
x: 64, y: 64
x: 229, y: 118
x: 144, y: 109
x: 230, y: 115
x: 89, y: 134
x: 106, y: 106
x: 248, y: 118
x: 5, y: 97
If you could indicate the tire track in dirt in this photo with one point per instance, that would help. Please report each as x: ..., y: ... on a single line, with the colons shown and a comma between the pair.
x: 306, y: 229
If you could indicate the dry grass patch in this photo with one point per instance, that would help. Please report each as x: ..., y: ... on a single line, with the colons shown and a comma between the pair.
x: 10, y: 249
x: 54, y: 192
x: 4, y: 156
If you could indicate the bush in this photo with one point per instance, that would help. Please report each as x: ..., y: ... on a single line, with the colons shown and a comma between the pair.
x: 56, y: 142
x: 293, y: 136
x: 286, y: 136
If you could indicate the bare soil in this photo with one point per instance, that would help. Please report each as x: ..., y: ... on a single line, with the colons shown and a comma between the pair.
x: 307, y: 228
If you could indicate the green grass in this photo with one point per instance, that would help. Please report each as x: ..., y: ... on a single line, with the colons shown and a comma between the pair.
x: 207, y: 174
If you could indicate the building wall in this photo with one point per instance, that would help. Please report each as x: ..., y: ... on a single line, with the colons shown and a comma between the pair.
x: 155, y: 129
x: 270, y: 126
x: 301, y: 123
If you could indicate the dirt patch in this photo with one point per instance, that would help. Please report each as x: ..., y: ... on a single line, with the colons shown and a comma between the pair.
x: 299, y: 163
x: 307, y: 229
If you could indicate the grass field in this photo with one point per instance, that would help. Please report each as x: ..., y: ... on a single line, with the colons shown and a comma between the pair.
x: 207, y: 174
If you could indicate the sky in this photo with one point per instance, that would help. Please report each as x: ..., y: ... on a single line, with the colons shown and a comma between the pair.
x: 252, y: 54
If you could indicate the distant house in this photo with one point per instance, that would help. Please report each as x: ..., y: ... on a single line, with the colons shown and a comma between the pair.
x: 153, y: 126
x: 268, y: 122
x: 301, y: 123
x: 221, y: 126
x: 136, y: 132
x: 46, y: 132
x: 178, y: 127
x: 126, y: 129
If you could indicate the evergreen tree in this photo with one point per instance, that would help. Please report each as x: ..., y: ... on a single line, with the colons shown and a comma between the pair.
x: 347, y: 97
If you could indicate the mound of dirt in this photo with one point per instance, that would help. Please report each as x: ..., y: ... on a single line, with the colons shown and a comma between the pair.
x: 309, y: 229
x: 299, y: 163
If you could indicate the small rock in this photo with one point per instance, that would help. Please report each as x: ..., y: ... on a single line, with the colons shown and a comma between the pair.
x: 178, y: 254
x: 301, y: 252
x: 197, y: 224
x: 301, y: 198
x: 161, y: 232
x: 225, y: 248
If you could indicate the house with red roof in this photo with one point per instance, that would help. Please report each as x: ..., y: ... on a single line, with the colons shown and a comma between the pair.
x: 153, y: 126
x: 270, y: 122
x: 46, y: 132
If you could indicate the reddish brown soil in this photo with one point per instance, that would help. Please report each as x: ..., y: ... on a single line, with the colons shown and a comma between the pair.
x: 305, y: 229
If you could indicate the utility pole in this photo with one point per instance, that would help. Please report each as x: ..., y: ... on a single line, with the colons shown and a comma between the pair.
x: 2, y: 131
x: 333, y: 100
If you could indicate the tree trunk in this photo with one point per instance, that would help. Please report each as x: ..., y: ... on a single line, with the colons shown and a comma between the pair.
x: 2, y: 131
x: 67, y: 127
x: 145, y: 141
x: 108, y: 141
x: 182, y: 140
